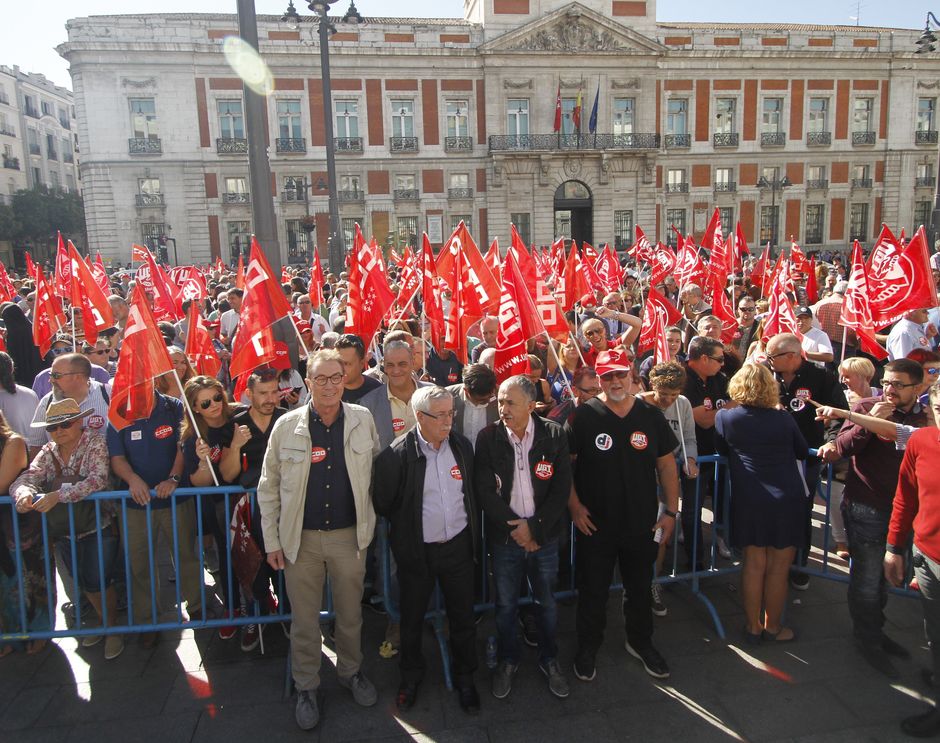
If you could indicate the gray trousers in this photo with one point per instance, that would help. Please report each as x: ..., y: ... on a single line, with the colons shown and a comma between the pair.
x: 927, y: 573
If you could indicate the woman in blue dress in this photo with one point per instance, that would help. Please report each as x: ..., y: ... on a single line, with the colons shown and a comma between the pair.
x: 768, y: 495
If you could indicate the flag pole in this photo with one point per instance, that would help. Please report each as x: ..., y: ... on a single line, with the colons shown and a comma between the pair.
x: 192, y: 419
x: 576, y: 345
x: 558, y: 363
x: 74, y: 342
x: 845, y: 334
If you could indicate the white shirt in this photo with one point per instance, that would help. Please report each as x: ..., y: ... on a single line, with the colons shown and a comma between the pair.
x: 522, y: 498
x: 228, y: 322
x: 19, y: 409
x: 904, y: 337
x: 474, y: 419
x: 94, y: 401
x: 816, y: 341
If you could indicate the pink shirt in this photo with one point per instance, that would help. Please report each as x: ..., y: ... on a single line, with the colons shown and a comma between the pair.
x: 522, y: 499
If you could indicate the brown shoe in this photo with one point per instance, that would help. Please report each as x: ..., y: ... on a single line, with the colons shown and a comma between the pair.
x: 842, y: 550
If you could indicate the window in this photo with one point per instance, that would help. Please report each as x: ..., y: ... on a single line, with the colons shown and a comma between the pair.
x: 460, y: 180
x: 143, y: 118
x: 349, y: 228
x: 237, y: 185
x: 517, y: 117
x: 725, y: 109
x: 858, y: 222
x: 521, y: 220
x: 816, y: 173
x: 814, y: 224
x: 405, y: 182
x: 862, y: 112
x: 151, y: 232
x: 37, y: 177
x: 726, y: 215
x: 32, y: 137
x: 69, y: 182
x: 818, y: 115
x: 349, y: 184
x: 567, y: 115
x: 724, y: 177
x: 288, y: 120
x: 677, y: 116
x: 926, y: 109
x: 50, y: 147
x: 54, y: 180
x: 231, y: 121
x: 925, y: 174
x: 922, y: 210
x: 772, y: 116
x: 623, y: 228
x: 403, y: 118
x: 675, y: 179
x: 675, y: 218
x: 456, y: 219
x: 772, y: 174
x: 148, y: 186
x: 407, y: 228
x: 239, y: 239
x: 347, y: 118
x: 67, y: 149
x: 769, y: 218
x: 862, y: 172
x: 296, y: 241
x: 30, y: 103
x: 624, y: 111
x: 47, y: 108
x: 562, y: 223
x: 458, y: 122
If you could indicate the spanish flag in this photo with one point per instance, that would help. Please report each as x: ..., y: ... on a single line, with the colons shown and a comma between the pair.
x: 576, y: 114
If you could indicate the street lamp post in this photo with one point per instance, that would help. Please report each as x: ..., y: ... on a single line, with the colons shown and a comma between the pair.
x: 926, y: 44
x: 776, y: 184
x: 337, y: 248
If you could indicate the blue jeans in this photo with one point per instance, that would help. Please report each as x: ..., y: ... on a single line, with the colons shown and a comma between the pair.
x: 510, y: 563
x: 867, y: 529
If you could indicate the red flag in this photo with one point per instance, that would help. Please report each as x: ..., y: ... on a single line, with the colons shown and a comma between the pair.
x: 557, y: 127
x: 253, y: 344
x: 899, y: 278
x: 721, y: 306
x: 658, y: 314
x: 279, y: 302
x: 143, y: 357
x: 663, y: 264
x: 6, y: 286
x: 511, y: 355
x: 588, y: 254
x: 285, y: 276
x: 63, y: 270
x: 740, y: 244
x: 165, y: 306
x: 719, y: 259
x: 576, y: 285
x: 87, y: 295
x: 641, y: 250
x: 240, y: 276
x: 369, y: 296
x: 138, y: 253
x: 608, y: 269
x: 31, y: 268
x: 760, y: 268
x: 481, y: 278
x: 101, y: 275
x: 689, y: 267
x: 798, y: 261
x: 395, y: 258
x: 465, y: 309
x: 770, y: 278
x: 409, y: 280
x: 315, y: 289
x: 812, y: 287
x: 856, y: 312
x: 431, y: 295
x: 492, y: 258
x: 199, y: 349
x: 48, y: 317
x: 780, y: 317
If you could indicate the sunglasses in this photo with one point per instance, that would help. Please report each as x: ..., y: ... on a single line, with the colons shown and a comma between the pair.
x: 932, y: 370
x: 593, y: 332
x: 60, y: 351
x: 59, y: 375
x: 216, y: 398
x: 56, y: 426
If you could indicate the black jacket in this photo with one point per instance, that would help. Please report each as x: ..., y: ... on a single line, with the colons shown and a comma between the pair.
x: 820, y: 385
x: 549, y: 469
x: 398, y: 495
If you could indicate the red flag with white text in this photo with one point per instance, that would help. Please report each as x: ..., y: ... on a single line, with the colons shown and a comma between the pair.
x: 511, y: 351
x: 315, y: 288
x: 48, y: 317
x: 87, y: 296
x: 658, y: 314
x: 199, y: 349
x: 899, y: 279
x: 369, y: 296
x: 431, y: 295
x: 856, y: 310
x: 780, y: 316
x: 481, y: 278
x: 63, y: 270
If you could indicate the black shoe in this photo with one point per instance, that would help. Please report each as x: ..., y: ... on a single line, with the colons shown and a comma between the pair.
x: 530, y: 629
x: 893, y: 648
x: 407, y: 695
x: 653, y: 662
x: 878, y: 659
x: 925, y: 725
x: 469, y: 699
x: 375, y: 603
x: 799, y: 581
x: 584, y: 668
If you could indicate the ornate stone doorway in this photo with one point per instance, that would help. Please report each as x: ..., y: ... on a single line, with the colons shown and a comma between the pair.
x: 574, y: 212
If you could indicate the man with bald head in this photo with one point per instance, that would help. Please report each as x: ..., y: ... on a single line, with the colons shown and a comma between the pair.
x: 488, y: 327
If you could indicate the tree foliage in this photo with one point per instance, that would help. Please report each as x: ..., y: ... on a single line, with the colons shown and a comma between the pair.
x: 36, y: 214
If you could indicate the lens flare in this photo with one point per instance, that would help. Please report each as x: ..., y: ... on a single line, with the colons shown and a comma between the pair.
x: 248, y: 65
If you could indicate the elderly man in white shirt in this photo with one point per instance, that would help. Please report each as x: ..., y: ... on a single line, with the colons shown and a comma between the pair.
x: 908, y: 333
x: 816, y: 344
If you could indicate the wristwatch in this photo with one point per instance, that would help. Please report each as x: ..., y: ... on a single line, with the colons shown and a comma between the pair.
x: 670, y: 514
x: 175, y: 478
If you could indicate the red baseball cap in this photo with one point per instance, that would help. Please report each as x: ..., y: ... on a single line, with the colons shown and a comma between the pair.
x: 303, y: 326
x: 588, y: 300
x: 615, y: 360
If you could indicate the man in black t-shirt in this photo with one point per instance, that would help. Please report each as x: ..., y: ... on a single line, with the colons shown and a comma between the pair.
x: 353, y: 352
x: 619, y: 445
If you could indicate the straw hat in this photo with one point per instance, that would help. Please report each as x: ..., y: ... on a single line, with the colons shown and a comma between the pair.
x: 62, y: 411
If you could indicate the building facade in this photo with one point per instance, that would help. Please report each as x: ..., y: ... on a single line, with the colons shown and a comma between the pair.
x: 814, y: 132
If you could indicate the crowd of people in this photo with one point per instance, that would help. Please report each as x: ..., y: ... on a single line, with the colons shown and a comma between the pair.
x: 594, y: 435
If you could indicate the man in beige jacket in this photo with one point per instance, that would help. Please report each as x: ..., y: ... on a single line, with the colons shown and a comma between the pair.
x: 317, y: 519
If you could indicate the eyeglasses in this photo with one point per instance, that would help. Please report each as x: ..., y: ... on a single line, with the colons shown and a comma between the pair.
x: 589, y: 390
x: 56, y: 426
x: 321, y: 380
x: 932, y: 370
x: 216, y: 398
x: 886, y: 383
x: 59, y: 375
x: 609, y: 376
x: 439, y: 416
x: 772, y: 356
x: 747, y: 309
x: 596, y: 331
x: 719, y: 359
x: 60, y: 351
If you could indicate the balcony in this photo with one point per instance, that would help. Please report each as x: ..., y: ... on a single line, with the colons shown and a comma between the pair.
x: 353, y: 196
x: 861, y: 183
x: 290, y: 145
x: 32, y: 112
x: 34, y: 149
x: 68, y: 157
x: 144, y: 146
x: 818, y: 139
x: 677, y: 141
x: 231, y: 146
x: 859, y: 138
x: 725, y: 187
x: 536, y: 142
x: 725, y: 139
x: 4, y: 99
x: 11, y: 163
x: 52, y: 155
x: 406, y: 194
x: 773, y: 139
x: 458, y: 144
x: 347, y: 144
x: 817, y: 184
x: 403, y: 144
x: 235, y: 197
x: 459, y: 193
x: 146, y: 200
x: 925, y: 181
x: 925, y: 136
x: 8, y: 131
x: 64, y: 123
x: 291, y: 195
x: 677, y: 187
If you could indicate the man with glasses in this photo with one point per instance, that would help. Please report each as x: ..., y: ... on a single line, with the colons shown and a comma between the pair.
x: 306, y: 312
x: 747, y: 325
x: 317, y: 520
x: 352, y: 351
x: 595, y: 332
x: 423, y: 484
x: 522, y: 473
x: 586, y: 386
x: 620, y: 446
x: 474, y: 401
x: 866, y: 505
x: 801, y: 381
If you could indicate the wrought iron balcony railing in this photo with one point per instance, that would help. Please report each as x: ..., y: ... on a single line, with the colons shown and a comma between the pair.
x: 773, y: 139
x: 534, y: 142
x: 144, y: 146
x: 231, y: 145
x: 459, y: 193
x: 292, y: 195
x: 351, y: 195
x: 818, y: 139
x: 290, y: 145
x: 677, y: 141
x: 458, y: 144
x: 403, y: 144
x: 677, y: 187
x: 863, y: 138
x: 236, y: 197
x: 11, y: 163
x: 149, y: 199
x: 817, y: 184
x: 8, y: 131
x: 726, y: 186
x: 347, y: 144
x: 861, y: 183
x: 925, y: 181
x: 406, y: 194
x: 725, y: 139
x: 925, y: 136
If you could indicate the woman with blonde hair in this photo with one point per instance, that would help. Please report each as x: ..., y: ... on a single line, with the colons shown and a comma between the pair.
x: 768, y: 496
x: 856, y: 373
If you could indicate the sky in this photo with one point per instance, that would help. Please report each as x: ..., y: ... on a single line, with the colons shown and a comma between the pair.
x: 29, y: 43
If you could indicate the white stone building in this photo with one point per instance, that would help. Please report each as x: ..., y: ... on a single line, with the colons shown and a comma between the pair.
x: 438, y: 120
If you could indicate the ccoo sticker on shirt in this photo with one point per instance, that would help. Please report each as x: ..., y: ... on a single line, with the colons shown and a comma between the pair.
x: 638, y: 440
x: 95, y: 421
x: 398, y: 425
x: 544, y: 470
x: 452, y: 377
x: 163, y: 432
x: 215, y: 454
x: 603, y: 441
x: 317, y: 454
x: 707, y: 403
x: 803, y: 393
x: 455, y: 473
